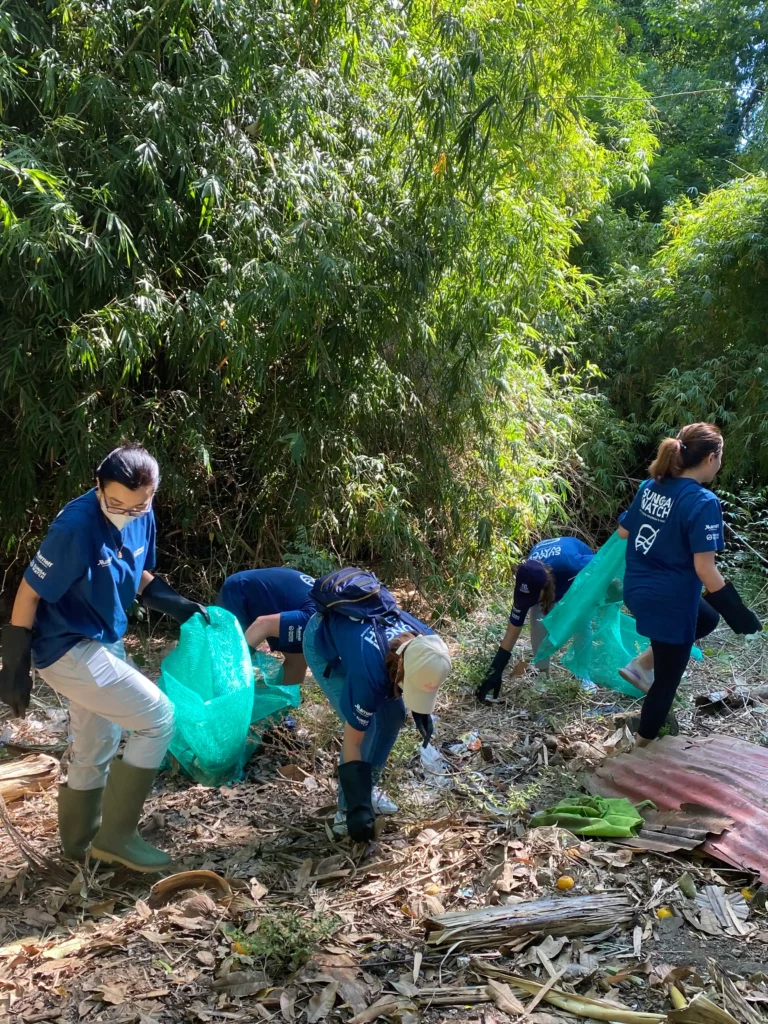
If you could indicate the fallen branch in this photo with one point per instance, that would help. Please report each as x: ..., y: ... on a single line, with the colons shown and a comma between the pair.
x: 37, y: 861
x: 577, y: 1006
x: 492, y: 926
x: 27, y: 775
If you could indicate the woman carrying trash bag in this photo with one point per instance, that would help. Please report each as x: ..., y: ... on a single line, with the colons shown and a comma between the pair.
x: 540, y: 582
x: 69, y: 617
x: 373, y: 661
x: 673, y: 527
x: 272, y: 605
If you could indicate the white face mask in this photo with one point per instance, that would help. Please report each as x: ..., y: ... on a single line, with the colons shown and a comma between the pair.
x: 118, y: 521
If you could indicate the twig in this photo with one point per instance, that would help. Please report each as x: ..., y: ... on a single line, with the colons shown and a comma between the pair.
x: 37, y: 861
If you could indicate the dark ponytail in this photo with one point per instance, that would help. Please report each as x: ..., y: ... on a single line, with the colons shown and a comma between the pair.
x: 693, y: 444
x: 129, y: 465
x: 548, y: 591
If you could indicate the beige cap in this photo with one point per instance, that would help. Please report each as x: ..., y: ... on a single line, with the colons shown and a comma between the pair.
x: 426, y: 665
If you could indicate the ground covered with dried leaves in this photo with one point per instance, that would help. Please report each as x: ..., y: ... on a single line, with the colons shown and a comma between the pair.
x: 270, y: 915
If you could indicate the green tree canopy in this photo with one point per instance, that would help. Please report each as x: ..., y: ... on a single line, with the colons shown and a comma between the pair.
x: 313, y: 255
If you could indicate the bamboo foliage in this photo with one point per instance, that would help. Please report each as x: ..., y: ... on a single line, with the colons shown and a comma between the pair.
x: 313, y: 255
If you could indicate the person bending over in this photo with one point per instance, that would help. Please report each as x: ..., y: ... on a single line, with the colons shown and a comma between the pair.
x: 540, y: 582
x: 272, y: 605
x: 371, y: 672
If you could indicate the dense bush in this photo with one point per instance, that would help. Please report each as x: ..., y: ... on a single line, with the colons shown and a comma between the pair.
x: 683, y: 338
x: 314, y: 256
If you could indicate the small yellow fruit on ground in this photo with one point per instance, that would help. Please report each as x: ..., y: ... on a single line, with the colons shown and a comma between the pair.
x: 663, y: 912
x: 748, y: 894
x: 565, y: 882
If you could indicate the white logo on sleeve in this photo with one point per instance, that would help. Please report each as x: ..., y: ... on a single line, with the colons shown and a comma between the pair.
x: 39, y: 565
x: 307, y: 579
x: 646, y: 535
x: 138, y: 551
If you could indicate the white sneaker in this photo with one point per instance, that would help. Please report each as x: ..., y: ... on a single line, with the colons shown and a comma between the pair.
x: 382, y: 803
x: 634, y: 673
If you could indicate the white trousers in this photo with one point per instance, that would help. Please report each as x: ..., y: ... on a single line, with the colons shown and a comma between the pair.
x: 108, y: 695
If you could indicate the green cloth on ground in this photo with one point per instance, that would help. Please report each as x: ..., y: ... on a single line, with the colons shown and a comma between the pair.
x: 614, y: 817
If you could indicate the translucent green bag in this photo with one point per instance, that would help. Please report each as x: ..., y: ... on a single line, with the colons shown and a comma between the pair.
x: 209, y: 680
x: 593, y: 605
x: 271, y: 698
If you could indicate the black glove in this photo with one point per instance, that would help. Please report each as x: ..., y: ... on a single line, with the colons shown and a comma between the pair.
x: 493, y: 680
x: 425, y: 725
x: 356, y: 781
x: 728, y: 603
x: 161, y: 597
x: 16, y: 673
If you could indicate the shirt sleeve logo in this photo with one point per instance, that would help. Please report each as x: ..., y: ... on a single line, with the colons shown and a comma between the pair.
x: 645, y: 538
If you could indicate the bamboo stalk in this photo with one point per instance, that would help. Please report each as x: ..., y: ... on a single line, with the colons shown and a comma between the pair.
x: 578, y: 915
x: 578, y: 1006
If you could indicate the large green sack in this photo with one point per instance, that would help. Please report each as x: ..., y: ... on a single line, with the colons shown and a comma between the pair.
x: 209, y: 680
x: 594, y: 604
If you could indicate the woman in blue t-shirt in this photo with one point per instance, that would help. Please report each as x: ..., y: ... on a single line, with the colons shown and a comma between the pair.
x: 69, y: 617
x: 540, y: 582
x: 673, y: 527
x: 370, y: 690
x: 272, y: 605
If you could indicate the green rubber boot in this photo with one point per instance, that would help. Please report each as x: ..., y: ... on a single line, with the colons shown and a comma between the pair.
x: 79, y: 819
x: 117, y: 841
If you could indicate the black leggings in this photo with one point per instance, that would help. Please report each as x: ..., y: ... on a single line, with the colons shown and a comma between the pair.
x: 669, y: 664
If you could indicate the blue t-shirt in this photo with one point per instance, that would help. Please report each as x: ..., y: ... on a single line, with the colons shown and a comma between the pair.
x: 87, y: 573
x: 668, y: 522
x: 363, y: 664
x: 566, y: 557
x: 256, y: 592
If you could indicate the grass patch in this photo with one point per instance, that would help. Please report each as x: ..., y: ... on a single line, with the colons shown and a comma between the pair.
x: 284, y: 941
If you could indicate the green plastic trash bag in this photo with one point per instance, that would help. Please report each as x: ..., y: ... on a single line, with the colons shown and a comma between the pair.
x: 593, y: 609
x: 271, y: 698
x: 613, y: 817
x: 209, y: 680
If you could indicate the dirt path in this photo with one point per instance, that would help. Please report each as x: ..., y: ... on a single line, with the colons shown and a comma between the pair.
x: 295, y: 922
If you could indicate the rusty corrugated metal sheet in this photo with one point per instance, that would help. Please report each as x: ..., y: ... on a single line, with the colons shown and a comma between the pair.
x: 722, y: 773
x: 669, y: 831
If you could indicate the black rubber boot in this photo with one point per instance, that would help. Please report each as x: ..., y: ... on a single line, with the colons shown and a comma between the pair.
x: 493, y: 680
x: 79, y: 819
x: 117, y: 841
x: 356, y: 781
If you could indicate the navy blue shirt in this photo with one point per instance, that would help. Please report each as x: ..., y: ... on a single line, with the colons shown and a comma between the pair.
x: 668, y: 523
x: 87, y: 573
x: 363, y: 664
x: 565, y: 556
x: 256, y: 592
